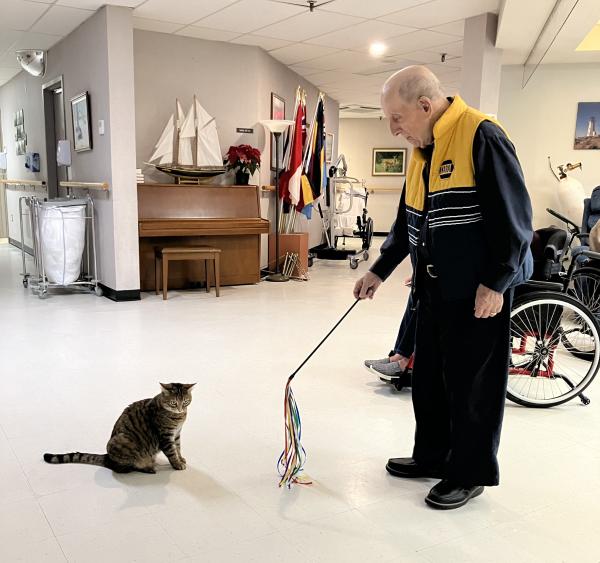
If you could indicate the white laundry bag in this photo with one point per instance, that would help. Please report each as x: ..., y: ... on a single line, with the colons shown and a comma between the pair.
x: 62, y: 234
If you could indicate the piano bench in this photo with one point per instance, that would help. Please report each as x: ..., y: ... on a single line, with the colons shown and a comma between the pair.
x: 162, y: 256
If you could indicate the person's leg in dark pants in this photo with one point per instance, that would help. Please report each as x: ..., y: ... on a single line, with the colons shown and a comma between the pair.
x: 476, y: 357
x: 430, y: 401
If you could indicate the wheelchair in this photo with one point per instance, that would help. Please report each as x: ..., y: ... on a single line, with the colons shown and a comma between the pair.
x: 555, y: 321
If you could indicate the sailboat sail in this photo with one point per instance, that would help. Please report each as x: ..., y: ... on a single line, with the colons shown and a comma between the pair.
x: 208, y: 150
x: 164, y: 146
x: 174, y: 149
x: 186, y: 136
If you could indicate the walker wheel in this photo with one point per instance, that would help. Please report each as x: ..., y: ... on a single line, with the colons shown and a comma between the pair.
x: 365, y: 255
x: 310, y: 261
x: 43, y: 293
x: 25, y: 283
x: 353, y: 263
x: 98, y: 291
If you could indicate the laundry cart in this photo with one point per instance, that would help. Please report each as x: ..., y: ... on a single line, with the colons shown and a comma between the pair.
x: 63, y: 241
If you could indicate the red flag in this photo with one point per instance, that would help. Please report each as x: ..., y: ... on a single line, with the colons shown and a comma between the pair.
x: 289, y: 182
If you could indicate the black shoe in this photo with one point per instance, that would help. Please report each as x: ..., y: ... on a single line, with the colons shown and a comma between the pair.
x: 447, y: 495
x: 407, y: 467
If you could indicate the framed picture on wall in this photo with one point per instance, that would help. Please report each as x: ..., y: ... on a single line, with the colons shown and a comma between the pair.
x: 389, y: 162
x: 82, y: 127
x: 277, y: 112
x: 587, y: 127
x: 328, y: 147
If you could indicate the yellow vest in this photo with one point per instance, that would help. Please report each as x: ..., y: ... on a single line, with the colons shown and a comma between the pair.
x: 452, y: 159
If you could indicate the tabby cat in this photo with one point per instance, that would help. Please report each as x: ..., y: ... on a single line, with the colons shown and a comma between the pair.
x: 145, y: 428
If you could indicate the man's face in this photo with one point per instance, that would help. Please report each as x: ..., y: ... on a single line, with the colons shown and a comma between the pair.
x: 410, y: 120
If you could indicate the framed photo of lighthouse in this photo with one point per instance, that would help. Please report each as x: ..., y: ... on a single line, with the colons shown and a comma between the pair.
x: 587, y: 128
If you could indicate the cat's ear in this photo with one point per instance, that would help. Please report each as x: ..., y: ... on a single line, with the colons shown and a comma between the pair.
x: 188, y: 386
x: 166, y: 386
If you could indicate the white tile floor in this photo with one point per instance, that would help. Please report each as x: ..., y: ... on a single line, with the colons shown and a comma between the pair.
x: 70, y: 364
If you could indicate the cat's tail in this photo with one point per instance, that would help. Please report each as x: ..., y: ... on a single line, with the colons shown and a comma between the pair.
x: 77, y: 457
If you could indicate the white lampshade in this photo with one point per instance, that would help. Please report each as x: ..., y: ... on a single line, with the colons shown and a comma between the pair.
x: 276, y: 125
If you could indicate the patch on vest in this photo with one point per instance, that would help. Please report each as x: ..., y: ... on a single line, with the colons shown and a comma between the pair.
x: 446, y: 169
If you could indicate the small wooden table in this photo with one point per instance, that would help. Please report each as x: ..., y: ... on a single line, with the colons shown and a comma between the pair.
x: 168, y: 253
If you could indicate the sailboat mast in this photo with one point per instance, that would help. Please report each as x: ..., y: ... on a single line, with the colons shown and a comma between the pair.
x: 176, y: 134
x: 196, y: 138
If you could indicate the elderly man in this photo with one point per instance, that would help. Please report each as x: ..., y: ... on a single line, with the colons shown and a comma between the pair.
x: 465, y: 220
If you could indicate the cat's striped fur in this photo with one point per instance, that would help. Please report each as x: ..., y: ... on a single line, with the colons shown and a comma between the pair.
x: 145, y: 428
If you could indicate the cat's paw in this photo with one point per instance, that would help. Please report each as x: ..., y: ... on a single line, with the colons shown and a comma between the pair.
x: 182, y: 459
x: 179, y: 465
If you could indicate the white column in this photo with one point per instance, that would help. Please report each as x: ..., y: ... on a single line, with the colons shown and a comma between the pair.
x: 482, y: 64
x: 122, y: 147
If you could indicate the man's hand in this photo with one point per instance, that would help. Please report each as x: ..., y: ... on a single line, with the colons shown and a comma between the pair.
x: 488, y: 303
x: 367, y: 286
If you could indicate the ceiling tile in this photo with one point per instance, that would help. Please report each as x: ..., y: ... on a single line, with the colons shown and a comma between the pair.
x: 453, y: 28
x: 248, y: 15
x: 95, y: 4
x: 207, y: 33
x: 30, y: 40
x: 9, y: 60
x: 20, y: 15
x: 307, y: 25
x: 267, y: 43
x: 454, y: 49
x: 370, y: 9
x: 341, y: 60
x: 155, y: 25
x: 59, y: 20
x: 7, y: 38
x: 423, y: 57
x: 299, y: 52
x: 360, y: 36
x: 304, y: 69
x: 438, y: 12
x: 417, y: 41
x: 444, y: 72
x: 180, y: 11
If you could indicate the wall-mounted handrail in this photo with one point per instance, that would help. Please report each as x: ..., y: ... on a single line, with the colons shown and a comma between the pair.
x: 87, y: 185
x: 23, y: 182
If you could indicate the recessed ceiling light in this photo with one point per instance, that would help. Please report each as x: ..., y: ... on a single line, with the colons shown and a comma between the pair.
x: 377, y: 49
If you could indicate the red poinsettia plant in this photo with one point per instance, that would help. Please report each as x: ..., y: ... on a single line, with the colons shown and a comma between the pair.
x: 243, y: 158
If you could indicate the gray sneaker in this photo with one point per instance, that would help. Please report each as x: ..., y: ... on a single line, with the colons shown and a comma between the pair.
x: 387, y: 372
x: 370, y: 363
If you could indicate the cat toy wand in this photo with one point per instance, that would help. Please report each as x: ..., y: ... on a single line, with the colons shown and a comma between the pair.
x: 292, y: 459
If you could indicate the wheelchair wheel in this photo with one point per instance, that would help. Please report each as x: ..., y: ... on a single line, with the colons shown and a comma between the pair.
x: 585, y: 287
x: 543, y: 371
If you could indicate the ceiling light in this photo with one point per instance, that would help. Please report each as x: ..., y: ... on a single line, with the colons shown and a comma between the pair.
x: 591, y: 42
x: 377, y: 49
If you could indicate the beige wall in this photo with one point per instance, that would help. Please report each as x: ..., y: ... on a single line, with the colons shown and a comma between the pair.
x: 97, y: 57
x: 357, y: 139
x: 540, y: 120
x: 234, y: 84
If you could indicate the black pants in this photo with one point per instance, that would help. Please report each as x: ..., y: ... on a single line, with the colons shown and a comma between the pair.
x: 459, y: 387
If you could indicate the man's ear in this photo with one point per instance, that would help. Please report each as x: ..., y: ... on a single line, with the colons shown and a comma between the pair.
x: 424, y: 104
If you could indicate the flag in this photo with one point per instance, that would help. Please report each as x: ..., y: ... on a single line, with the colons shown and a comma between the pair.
x: 289, y: 181
x: 314, y: 161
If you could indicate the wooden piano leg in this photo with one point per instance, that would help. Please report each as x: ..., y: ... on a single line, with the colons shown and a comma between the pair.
x: 217, y: 266
x: 206, y: 273
x: 157, y: 264
x: 165, y: 278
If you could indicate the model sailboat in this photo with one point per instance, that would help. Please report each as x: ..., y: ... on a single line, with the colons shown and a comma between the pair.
x: 175, y: 152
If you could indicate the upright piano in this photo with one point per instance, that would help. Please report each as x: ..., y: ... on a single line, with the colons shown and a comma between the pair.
x: 226, y: 217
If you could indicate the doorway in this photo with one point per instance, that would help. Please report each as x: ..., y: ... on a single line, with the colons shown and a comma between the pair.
x: 55, y: 130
